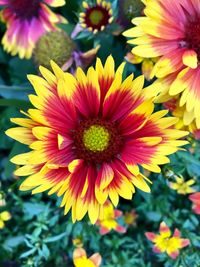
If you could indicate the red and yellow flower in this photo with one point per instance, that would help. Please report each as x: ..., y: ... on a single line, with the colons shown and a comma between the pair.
x: 195, y: 198
x: 26, y: 22
x: 108, y: 219
x: 96, y: 16
x: 80, y: 259
x: 88, y: 134
x: 170, y: 30
x: 165, y: 242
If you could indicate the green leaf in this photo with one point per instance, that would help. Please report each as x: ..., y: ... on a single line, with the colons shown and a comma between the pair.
x: 15, y: 92
x: 54, y: 238
x: 27, y: 253
x: 20, y: 104
x: 188, y: 157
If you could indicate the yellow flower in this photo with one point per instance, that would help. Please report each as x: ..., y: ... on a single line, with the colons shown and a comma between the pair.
x: 164, y: 242
x: 147, y: 64
x: 107, y: 219
x: 4, y: 216
x: 130, y: 218
x: 80, y: 259
x: 186, y: 120
x: 181, y: 186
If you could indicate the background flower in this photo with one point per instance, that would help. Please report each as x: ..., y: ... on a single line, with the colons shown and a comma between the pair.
x: 170, y: 32
x: 4, y: 216
x: 96, y: 16
x: 164, y: 242
x: 81, y: 260
x: 195, y: 198
x: 108, y: 219
x: 26, y: 22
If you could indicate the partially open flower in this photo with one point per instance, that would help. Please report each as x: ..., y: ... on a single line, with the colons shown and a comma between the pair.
x: 26, y: 22
x: 56, y: 46
x: 96, y: 16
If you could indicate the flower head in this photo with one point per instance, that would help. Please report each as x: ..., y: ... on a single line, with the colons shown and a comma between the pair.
x: 80, y: 259
x: 4, y: 216
x: 181, y: 186
x: 108, y: 219
x: 26, y: 22
x: 170, y: 30
x: 165, y: 242
x: 56, y: 46
x: 96, y: 16
x: 88, y: 134
x: 130, y: 218
x: 195, y: 198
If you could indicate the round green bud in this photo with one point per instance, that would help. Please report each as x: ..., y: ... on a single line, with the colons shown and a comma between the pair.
x: 56, y: 46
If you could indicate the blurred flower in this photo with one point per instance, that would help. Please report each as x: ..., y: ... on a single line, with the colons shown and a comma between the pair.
x: 181, y: 186
x: 4, y: 216
x: 56, y: 46
x: 129, y: 9
x: 130, y: 218
x: 195, y: 198
x: 170, y: 30
x: 96, y: 16
x: 26, y: 22
x: 80, y: 259
x: 77, y: 242
x: 108, y: 219
x: 147, y: 64
x: 164, y: 242
x: 186, y: 119
x: 84, y: 144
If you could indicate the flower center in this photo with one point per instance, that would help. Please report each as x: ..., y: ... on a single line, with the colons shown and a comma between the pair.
x: 192, y: 37
x: 96, y: 138
x: 97, y: 141
x: 96, y: 17
x: 25, y: 9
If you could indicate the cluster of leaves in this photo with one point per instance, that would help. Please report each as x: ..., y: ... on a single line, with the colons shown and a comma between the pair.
x: 39, y: 235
